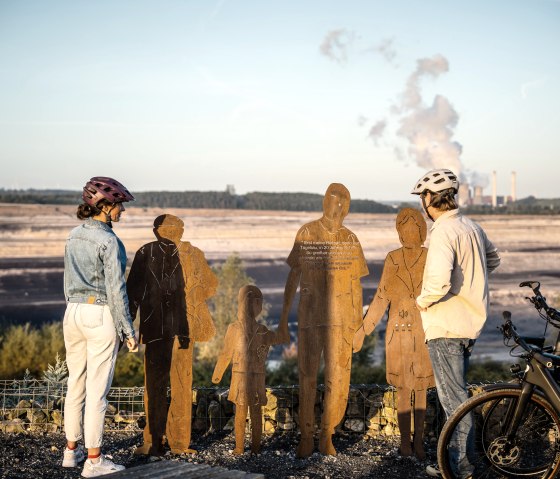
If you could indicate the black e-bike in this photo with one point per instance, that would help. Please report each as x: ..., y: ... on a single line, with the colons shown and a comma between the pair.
x: 514, y: 426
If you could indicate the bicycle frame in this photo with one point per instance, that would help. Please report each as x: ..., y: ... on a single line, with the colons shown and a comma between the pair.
x: 517, y: 425
x: 537, y: 378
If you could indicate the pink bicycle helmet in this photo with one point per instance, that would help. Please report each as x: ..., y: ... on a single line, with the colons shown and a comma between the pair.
x: 105, y: 188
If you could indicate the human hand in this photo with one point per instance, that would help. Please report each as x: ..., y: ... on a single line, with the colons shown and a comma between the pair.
x: 421, y: 308
x: 132, y: 344
x: 358, y: 340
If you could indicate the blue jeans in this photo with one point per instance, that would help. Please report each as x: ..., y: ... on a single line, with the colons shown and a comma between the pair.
x: 450, y: 361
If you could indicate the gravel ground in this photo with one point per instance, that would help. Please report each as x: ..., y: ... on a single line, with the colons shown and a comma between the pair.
x: 26, y: 456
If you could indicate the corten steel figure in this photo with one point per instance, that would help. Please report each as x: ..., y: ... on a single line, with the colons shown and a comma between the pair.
x: 246, y: 346
x: 327, y: 263
x: 408, y: 362
x: 170, y: 282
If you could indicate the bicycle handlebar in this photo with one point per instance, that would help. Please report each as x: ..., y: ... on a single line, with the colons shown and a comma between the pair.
x: 539, y: 301
x: 509, y: 332
x: 533, y: 352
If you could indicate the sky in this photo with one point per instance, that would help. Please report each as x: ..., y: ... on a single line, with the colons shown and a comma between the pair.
x: 284, y: 95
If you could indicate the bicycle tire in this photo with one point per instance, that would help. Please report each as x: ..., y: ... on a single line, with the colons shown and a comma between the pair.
x: 535, y: 452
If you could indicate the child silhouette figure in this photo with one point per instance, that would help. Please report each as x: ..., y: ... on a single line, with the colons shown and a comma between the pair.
x: 246, y: 346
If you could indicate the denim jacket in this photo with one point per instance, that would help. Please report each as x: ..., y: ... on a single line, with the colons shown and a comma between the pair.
x: 94, y: 272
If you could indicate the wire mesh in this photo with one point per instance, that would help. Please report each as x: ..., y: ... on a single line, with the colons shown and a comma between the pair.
x: 38, y: 405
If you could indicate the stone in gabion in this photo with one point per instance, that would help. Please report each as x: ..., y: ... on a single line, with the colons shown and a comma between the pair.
x: 355, y: 407
x: 25, y: 404
x: 226, y: 405
x: 16, y: 414
x: 215, y: 416
x: 15, y: 426
x: 230, y: 424
x: 269, y: 426
x: 199, y: 423
x: 354, y: 425
x: 37, y: 416
x: 57, y: 418
x: 284, y: 419
x: 122, y: 417
x: 141, y: 421
x: 271, y: 401
x: 45, y: 428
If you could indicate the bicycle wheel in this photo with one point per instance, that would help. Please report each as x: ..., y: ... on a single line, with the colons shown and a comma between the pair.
x: 474, y: 437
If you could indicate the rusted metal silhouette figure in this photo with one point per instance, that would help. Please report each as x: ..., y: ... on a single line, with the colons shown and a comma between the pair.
x: 327, y: 263
x: 246, y: 346
x: 170, y: 282
x: 408, y: 363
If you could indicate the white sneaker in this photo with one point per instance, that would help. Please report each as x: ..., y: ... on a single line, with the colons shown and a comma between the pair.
x: 104, y: 466
x: 72, y: 457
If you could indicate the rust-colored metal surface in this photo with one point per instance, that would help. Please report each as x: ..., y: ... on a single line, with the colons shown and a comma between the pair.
x: 326, y: 263
x: 407, y: 361
x: 246, y: 346
x: 169, y: 283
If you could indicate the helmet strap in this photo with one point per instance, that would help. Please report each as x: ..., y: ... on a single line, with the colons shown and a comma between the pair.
x: 423, y: 197
x: 108, y: 220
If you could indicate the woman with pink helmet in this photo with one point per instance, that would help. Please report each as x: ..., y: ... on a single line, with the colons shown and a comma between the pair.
x: 97, y: 318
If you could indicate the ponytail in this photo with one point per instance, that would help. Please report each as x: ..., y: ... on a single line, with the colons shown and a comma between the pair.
x: 88, y: 211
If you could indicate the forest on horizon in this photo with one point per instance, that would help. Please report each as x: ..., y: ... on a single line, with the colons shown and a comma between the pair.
x: 259, y: 200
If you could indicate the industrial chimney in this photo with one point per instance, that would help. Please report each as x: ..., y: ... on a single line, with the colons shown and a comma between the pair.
x: 494, y: 190
x: 477, y: 200
x: 464, y: 194
x: 513, y: 186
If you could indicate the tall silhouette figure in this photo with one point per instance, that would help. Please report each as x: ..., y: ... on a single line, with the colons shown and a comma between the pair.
x: 169, y: 282
x: 327, y: 263
x: 408, y: 362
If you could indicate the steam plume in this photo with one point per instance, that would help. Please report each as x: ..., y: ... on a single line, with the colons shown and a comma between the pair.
x: 386, y: 49
x: 429, y: 130
x: 377, y: 130
x: 336, y: 44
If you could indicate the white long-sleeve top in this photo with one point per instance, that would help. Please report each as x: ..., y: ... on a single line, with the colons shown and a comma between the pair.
x: 455, y: 283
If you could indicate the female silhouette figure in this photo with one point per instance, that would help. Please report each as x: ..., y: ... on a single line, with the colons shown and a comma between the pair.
x: 407, y: 360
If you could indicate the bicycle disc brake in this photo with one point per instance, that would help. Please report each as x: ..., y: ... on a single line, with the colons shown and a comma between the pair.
x: 503, y: 453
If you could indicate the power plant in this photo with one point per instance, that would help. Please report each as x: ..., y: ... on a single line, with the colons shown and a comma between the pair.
x: 474, y: 194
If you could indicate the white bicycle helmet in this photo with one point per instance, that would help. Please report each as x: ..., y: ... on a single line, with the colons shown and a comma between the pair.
x: 436, y: 180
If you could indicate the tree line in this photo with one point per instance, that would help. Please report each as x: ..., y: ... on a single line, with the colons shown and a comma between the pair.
x: 259, y: 200
x: 199, y: 199
x: 525, y: 206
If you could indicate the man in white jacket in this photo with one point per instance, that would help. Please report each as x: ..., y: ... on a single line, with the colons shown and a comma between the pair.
x: 454, y: 299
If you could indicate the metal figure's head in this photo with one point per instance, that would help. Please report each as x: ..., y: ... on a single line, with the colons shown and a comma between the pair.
x: 336, y: 202
x: 411, y: 227
x: 169, y: 227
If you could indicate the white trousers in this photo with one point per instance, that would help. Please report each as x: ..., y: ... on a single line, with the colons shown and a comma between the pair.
x: 91, y: 350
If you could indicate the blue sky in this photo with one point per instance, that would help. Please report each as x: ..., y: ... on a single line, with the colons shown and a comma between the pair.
x: 279, y: 96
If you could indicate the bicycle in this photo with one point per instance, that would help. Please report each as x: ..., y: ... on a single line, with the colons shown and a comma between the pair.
x: 514, y: 426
